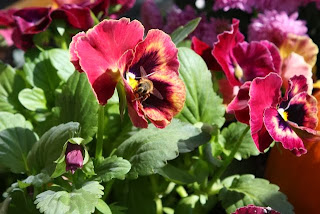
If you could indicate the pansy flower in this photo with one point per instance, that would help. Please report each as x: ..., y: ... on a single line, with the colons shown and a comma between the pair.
x: 299, y: 56
x: 114, y: 51
x: 242, y: 62
x: 290, y: 120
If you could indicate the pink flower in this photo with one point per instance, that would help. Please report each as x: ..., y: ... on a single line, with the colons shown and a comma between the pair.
x: 290, y: 120
x: 114, y: 51
x: 245, y: 5
x: 242, y: 62
x: 275, y: 26
x: 287, y: 6
x: 73, y: 157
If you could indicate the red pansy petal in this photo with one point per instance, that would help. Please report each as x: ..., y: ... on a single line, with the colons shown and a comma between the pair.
x: 251, y: 209
x: 297, y: 84
x: 205, y: 51
x: 6, y: 18
x: 281, y: 131
x: 222, y: 51
x: 22, y: 41
x: 306, y: 134
x: 161, y: 111
x: 228, y: 91
x: 78, y: 17
x: 274, y: 51
x: 254, y: 59
x: 32, y: 20
x: 157, y: 53
x: 100, y: 50
x: 303, y: 110
x: 294, y: 65
x: 239, y: 105
x: 264, y: 93
x: 262, y: 139
x: 73, y: 53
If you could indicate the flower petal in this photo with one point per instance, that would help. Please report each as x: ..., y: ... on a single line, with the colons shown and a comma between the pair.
x: 222, y: 51
x: 33, y: 20
x: 254, y: 59
x: 295, y: 65
x: 100, y: 50
x: 204, y: 50
x: 281, y: 131
x: 303, y: 110
x: 78, y: 17
x: 73, y: 53
x: 252, y: 209
x: 239, y: 105
x: 264, y: 93
x: 301, y: 45
x: 157, y: 55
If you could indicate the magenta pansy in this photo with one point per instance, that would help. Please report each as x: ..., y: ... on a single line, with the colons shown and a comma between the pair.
x: 290, y: 120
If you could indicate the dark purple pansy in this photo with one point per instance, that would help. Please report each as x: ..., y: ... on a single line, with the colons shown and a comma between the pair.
x: 290, y: 120
x: 73, y: 157
x: 242, y: 61
x: 252, y: 209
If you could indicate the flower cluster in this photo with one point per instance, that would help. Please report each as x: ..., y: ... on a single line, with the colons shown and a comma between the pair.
x: 21, y: 25
x: 255, y: 70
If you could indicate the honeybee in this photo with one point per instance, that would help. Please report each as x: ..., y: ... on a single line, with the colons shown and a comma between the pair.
x: 145, y: 87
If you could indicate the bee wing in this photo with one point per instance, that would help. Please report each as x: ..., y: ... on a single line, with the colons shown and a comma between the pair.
x: 144, y: 73
x: 156, y: 93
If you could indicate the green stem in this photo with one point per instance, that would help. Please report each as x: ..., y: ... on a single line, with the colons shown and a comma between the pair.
x: 99, y: 145
x: 228, y: 160
x: 158, y: 205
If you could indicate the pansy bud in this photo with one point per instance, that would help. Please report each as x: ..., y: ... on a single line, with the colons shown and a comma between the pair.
x: 73, y: 157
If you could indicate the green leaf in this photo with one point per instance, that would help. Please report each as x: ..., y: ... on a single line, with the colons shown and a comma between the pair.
x: 50, y: 145
x: 10, y: 86
x: 175, y: 174
x: 35, y: 180
x: 60, y: 60
x: 21, y: 203
x: 78, y: 103
x: 15, y: 143
x: 9, y: 120
x: 183, y: 31
x: 150, y: 149
x: 82, y: 201
x: 187, y: 204
x: 115, y: 209
x: 136, y: 194
x: 112, y: 167
x: 202, y: 103
x: 103, y: 207
x: 232, y: 134
x: 33, y: 99
x: 243, y: 190
x: 40, y: 72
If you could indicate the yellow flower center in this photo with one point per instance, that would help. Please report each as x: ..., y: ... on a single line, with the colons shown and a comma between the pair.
x: 283, y: 114
x: 131, y: 79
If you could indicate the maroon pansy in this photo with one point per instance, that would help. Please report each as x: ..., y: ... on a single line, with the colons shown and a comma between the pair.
x: 290, y: 120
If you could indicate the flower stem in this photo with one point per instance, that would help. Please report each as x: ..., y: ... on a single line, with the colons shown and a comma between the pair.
x: 228, y: 160
x: 99, y: 145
